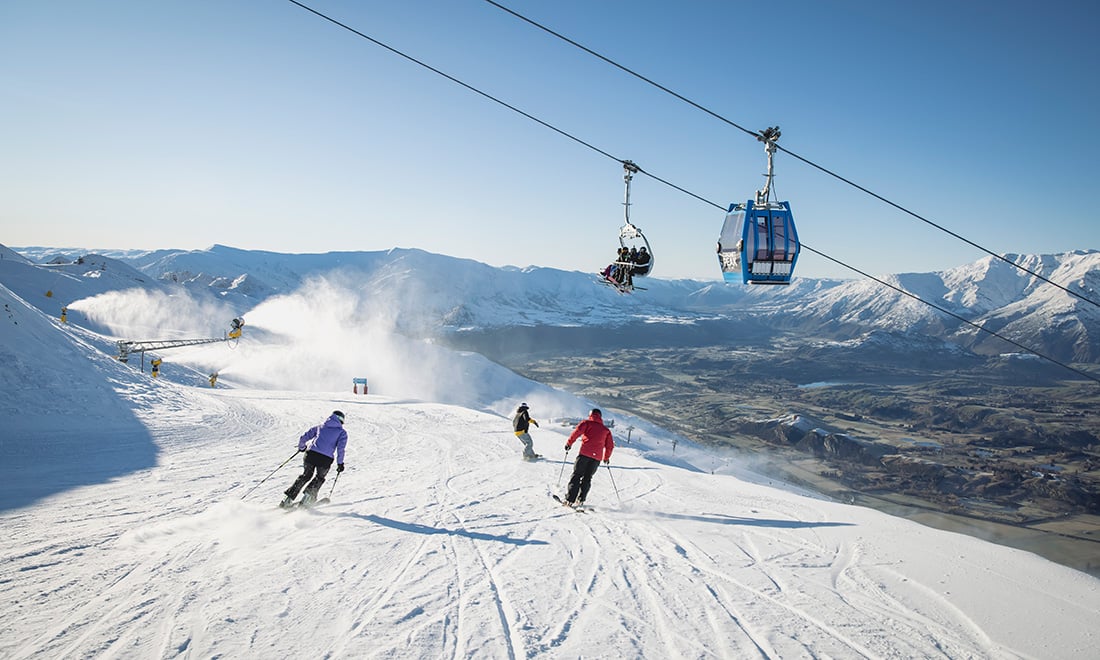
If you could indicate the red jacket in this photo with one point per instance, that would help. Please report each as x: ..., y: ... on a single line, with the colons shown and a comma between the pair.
x: 596, y: 441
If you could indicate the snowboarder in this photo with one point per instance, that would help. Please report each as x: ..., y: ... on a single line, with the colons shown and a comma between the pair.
x: 596, y: 446
x: 321, y: 444
x: 520, y: 424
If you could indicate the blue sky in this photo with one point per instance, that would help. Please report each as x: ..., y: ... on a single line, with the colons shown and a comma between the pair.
x: 255, y: 124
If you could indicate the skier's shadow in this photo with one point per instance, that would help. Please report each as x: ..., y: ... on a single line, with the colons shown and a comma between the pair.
x: 723, y: 519
x: 417, y: 528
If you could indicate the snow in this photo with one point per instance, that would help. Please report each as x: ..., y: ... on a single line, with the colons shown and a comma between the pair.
x: 140, y: 517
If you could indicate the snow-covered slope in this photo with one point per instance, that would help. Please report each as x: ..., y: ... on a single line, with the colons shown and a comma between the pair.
x: 53, y: 286
x: 56, y: 384
x: 139, y: 521
x: 1067, y: 327
x: 989, y: 293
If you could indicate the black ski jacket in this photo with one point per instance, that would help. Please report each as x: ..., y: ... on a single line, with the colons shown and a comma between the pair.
x: 522, y: 421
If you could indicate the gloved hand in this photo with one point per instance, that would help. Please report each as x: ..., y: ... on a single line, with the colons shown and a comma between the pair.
x: 567, y: 447
x: 607, y: 461
x: 534, y: 422
x: 339, y: 467
x: 301, y: 449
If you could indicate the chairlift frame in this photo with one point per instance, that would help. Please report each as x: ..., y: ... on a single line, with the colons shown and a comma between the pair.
x: 630, y: 233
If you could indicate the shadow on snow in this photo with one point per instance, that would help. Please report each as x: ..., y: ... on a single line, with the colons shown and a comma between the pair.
x: 52, y: 462
x: 417, y: 528
x: 722, y: 519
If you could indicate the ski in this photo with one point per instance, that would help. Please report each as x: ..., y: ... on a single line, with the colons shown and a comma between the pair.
x: 621, y: 288
x: 574, y: 509
x: 624, y: 289
x: 294, y: 506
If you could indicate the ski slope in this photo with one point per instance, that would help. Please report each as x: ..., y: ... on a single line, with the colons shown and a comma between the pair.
x: 441, y: 542
x: 128, y: 534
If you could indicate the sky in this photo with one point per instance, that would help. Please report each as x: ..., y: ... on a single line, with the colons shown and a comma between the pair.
x: 257, y: 124
x: 140, y: 520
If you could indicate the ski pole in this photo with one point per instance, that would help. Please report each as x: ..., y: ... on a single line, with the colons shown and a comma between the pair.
x: 269, y: 476
x: 563, y: 466
x: 333, y: 485
x: 612, y: 475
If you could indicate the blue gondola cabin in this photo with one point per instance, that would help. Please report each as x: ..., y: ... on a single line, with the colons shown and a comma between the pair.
x: 758, y: 244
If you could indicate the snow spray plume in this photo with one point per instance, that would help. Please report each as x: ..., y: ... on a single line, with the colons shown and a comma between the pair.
x: 346, y: 324
x: 335, y: 328
x: 144, y: 314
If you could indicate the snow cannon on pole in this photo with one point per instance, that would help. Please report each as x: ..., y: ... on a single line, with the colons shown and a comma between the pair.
x: 126, y: 347
x: 236, y: 327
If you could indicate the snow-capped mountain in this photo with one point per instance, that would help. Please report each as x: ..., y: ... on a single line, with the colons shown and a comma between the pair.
x: 427, y: 293
x: 989, y: 293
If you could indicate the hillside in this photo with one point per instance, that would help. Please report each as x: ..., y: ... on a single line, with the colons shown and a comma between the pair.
x: 158, y: 536
x: 988, y: 293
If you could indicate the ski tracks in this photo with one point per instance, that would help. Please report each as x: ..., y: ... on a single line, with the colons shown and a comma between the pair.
x: 786, y: 573
x: 444, y: 595
x: 462, y: 555
x: 128, y: 602
x: 399, y: 608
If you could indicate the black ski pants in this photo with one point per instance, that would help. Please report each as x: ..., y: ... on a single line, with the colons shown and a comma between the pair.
x: 313, y: 464
x: 581, y: 480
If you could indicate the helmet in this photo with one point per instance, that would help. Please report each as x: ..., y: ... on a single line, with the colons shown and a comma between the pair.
x: 338, y: 415
x: 596, y: 412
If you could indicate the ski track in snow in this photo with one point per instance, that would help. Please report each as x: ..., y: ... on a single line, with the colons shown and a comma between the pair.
x: 441, y: 542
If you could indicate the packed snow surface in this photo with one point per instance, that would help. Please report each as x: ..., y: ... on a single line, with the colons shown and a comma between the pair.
x: 140, y: 521
x: 441, y: 542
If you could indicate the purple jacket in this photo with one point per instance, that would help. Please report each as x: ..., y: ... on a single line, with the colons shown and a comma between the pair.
x: 329, y: 439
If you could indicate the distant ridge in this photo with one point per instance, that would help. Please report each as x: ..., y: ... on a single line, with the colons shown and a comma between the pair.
x: 432, y: 293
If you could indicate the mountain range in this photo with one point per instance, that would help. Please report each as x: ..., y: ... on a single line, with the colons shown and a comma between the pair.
x: 427, y: 293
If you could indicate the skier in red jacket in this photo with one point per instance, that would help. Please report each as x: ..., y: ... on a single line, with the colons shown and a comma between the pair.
x: 596, y: 446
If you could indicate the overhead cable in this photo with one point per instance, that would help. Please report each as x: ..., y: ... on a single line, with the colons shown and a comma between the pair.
x: 674, y: 186
x: 448, y: 77
x: 791, y: 153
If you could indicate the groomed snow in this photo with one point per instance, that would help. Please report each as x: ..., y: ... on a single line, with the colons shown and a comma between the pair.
x: 128, y: 533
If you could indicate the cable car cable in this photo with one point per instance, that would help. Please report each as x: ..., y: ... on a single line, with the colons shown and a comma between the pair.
x: 684, y: 190
x: 791, y: 153
x: 623, y: 68
x: 450, y: 77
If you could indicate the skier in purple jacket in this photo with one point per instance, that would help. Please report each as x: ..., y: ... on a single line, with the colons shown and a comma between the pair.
x: 321, y: 444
